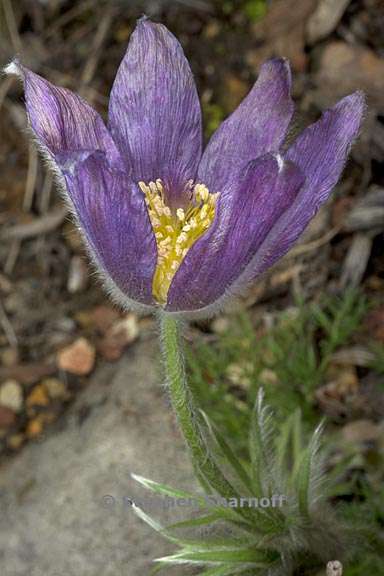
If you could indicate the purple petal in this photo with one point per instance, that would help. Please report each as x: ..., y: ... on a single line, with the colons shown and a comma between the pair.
x: 257, y: 126
x: 62, y: 121
x: 221, y: 255
x: 321, y: 152
x: 113, y: 215
x: 154, y: 111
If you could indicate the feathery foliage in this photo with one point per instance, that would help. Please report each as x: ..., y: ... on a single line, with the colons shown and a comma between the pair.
x: 256, y: 531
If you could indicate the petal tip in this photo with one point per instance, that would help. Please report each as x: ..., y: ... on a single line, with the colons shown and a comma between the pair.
x: 278, y: 65
x: 14, y: 68
x: 145, y: 22
x: 144, y: 18
x: 353, y: 108
x: 356, y: 99
x: 360, y: 100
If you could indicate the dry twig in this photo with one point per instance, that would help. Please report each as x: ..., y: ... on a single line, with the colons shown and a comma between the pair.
x: 7, y: 327
x: 42, y: 225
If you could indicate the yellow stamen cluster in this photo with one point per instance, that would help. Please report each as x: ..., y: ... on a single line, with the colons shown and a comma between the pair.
x: 175, y: 230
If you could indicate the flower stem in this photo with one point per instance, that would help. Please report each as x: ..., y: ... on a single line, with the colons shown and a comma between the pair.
x: 189, y: 418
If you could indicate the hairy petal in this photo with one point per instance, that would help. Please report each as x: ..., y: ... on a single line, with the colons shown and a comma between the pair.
x: 154, y: 112
x: 257, y: 126
x: 61, y: 120
x: 321, y: 152
x: 266, y: 190
x: 112, y: 214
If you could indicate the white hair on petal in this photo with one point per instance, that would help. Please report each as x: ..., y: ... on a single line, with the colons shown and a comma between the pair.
x: 280, y: 161
x: 226, y: 302
x: 13, y: 69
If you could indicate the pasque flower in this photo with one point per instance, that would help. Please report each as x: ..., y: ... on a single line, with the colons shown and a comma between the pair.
x: 171, y: 226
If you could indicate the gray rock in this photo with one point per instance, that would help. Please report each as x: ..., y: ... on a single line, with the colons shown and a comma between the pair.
x: 325, y: 18
x: 63, y: 500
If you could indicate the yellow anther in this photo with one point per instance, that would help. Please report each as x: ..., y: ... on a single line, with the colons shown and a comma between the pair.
x: 182, y: 238
x: 201, y: 192
x: 180, y: 214
x: 153, y: 187
x: 175, y: 230
x: 204, y: 212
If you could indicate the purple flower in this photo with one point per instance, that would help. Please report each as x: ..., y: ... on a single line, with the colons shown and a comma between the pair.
x: 168, y: 225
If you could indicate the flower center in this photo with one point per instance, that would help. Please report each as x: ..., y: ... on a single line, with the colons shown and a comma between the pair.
x: 175, y: 231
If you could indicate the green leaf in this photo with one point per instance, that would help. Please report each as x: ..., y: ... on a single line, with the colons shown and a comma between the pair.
x: 297, y: 436
x: 148, y: 520
x: 165, y: 490
x: 228, y: 453
x: 260, y: 445
x: 306, y: 472
x: 196, y: 522
x: 250, y: 556
x: 283, y: 442
x: 206, y: 543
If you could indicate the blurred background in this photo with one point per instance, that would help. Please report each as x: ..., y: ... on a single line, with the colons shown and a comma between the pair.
x: 311, y: 331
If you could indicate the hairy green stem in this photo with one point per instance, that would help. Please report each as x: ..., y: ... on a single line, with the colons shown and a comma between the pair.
x: 183, y: 404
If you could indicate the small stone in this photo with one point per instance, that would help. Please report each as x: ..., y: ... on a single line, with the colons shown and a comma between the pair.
x: 34, y: 428
x: 220, y: 325
x: 334, y: 568
x: 7, y: 418
x: 343, y: 387
x: 13, y: 303
x: 348, y: 382
x: 100, y: 318
x: 361, y: 431
x: 346, y: 67
x: 37, y: 397
x: 77, y: 275
x: 77, y: 358
x: 9, y: 356
x: 212, y: 29
x: 11, y: 395
x: 238, y: 374
x: 15, y: 441
x: 324, y: 19
x: 118, y: 337
x: 268, y: 376
x: 57, y: 390
x: 65, y: 324
x: 352, y: 356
